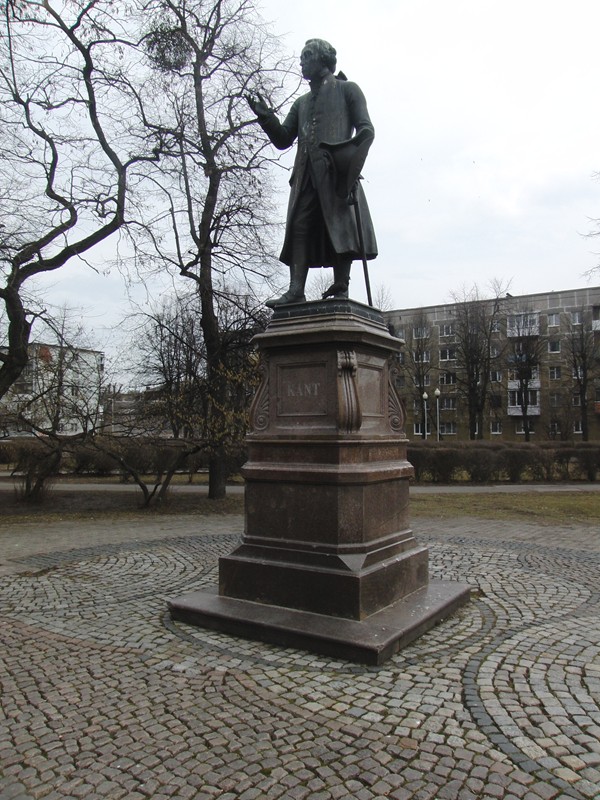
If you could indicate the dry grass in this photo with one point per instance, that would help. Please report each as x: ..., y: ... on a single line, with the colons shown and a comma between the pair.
x: 545, y: 508
x: 62, y: 503
x: 65, y: 504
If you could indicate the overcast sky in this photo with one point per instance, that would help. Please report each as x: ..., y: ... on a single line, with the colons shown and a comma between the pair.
x: 487, y: 120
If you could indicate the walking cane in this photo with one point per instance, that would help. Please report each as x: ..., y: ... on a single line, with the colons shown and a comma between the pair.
x: 353, y: 201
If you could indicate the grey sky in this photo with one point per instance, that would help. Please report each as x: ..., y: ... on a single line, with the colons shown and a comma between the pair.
x: 488, y: 135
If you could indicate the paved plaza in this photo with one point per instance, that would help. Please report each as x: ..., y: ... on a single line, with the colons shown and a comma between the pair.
x: 104, y: 697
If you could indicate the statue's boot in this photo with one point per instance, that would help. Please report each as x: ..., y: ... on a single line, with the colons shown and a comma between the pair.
x: 341, y: 280
x: 295, y: 294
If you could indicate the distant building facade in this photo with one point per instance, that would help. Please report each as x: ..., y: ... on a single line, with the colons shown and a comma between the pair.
x: 59, y: 391
x: 513, y: 368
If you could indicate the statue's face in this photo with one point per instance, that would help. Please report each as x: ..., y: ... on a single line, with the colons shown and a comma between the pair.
x: 310, y: 63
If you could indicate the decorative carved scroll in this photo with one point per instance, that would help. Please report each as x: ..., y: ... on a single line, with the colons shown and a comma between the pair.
x: 349, y: 413
x: 396, y: 413
x: 259, y: 409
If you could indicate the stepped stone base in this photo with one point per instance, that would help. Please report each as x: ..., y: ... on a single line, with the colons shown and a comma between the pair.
x: 371, y: 641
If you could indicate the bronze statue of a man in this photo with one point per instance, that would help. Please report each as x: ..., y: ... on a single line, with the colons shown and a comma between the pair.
x: 334, y: 132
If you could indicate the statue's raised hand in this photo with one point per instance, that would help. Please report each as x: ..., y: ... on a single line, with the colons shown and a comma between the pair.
x: 258, y: 105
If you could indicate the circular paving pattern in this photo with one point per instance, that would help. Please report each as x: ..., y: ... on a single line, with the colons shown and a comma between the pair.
x: 105, y: 696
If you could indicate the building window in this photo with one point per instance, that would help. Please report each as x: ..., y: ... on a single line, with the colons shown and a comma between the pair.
x: 495, y: 326
x: 576, y: 399
x: 515, y: 398
x: 520, y: 427
x: 576, y: 317
x: 496, y: 376
x: 554, y: 400
x: 447, y: 378
x: 448, y: 404
x: 577, y: 426
x: 554, y: 346
x: 447, y: 329
x: 421, y: 357
x: 447, y: 428
x: 524, y: 374
x: 577, y: 373
x: 418, y: 428
x: 420, y: 332
x: 426, y: 380
x: 496, y: 426
x: 494, y: 351
x: 448, y: 354
x: 554, y: 373
x: 554, y: 427
x: 553, y: 320
x: 400, y: 381
x: 526, y: 324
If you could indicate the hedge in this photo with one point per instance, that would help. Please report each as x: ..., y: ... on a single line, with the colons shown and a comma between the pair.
x: 487, y: 462
x: 436, y: 462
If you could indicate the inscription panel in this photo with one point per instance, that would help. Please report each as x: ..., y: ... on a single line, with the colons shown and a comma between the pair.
x: 302, y: 390
x: 370, y: 390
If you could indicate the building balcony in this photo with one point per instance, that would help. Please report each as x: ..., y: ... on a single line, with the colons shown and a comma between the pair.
x: 533, y: 383
x: 516, y: 411
x: 528, y: 330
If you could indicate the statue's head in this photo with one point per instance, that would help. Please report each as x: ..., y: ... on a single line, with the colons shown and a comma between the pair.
x: 317, y: 54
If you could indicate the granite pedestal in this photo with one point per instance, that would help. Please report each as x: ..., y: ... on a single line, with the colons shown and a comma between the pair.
x: 327, y: 561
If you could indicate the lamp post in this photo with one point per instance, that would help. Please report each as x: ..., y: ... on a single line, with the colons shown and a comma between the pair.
x: 437, y: 413
x: 425, y: 399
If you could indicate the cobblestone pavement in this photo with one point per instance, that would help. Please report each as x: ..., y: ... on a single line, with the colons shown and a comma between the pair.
x: 104, y: 697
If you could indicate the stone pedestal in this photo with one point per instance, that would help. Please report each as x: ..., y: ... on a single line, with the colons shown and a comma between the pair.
x: 327, y: 561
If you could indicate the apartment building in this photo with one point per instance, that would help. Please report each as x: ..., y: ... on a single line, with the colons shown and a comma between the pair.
x: 515, y: 368
x: 59, y: 391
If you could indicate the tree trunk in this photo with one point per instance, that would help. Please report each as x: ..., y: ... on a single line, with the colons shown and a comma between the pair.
x: 217, y: 476
x: 585, y: 431
x: 15, y: 358
x: 38, y: 475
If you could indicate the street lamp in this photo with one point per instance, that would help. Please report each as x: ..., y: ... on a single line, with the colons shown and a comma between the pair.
x: 425, y: 399
x: 437, y: 394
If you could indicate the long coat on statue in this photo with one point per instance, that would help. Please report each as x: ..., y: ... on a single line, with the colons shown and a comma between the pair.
x: 333, y: 111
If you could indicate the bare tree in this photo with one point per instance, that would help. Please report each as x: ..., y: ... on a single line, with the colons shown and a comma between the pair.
x: 69, y: 153
x: 173, y: 367
x: 417, y: 366
x: 524, y: 355
x: 383, y: 297
x: 476, y: 325
x: 214, y: 218
x: 582, y: 354
x: 173, y: 362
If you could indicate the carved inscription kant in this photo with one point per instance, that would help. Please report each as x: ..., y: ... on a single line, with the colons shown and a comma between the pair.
x: 302, y: 389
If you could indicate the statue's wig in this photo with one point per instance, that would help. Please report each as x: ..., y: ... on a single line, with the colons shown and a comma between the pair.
x: 327, y: 53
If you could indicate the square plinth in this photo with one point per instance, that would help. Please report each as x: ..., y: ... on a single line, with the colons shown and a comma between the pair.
x: 370, y: 641
x: 327, y: 562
